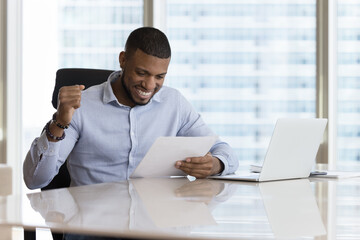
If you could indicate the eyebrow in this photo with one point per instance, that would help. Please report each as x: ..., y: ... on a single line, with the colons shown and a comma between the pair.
x: 147, y: 72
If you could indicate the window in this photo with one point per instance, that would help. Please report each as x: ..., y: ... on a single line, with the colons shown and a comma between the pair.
x: 244, y: 64
x: 348, y: 85
x: 68, y: 34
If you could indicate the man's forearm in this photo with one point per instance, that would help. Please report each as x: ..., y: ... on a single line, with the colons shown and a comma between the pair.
x: 40, y: 164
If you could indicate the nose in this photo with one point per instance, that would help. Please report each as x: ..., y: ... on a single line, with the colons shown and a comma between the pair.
x: 149, y: 83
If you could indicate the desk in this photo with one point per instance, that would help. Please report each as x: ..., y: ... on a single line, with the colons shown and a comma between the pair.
x: 201, y: 209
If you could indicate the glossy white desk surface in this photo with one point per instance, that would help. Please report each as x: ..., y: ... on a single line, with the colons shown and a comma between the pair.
x: 200, y: 209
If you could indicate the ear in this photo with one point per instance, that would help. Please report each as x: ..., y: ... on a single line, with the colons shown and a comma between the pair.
x: 122, y: 59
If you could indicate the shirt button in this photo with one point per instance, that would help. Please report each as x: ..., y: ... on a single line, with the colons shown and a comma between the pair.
x: 45, y: 148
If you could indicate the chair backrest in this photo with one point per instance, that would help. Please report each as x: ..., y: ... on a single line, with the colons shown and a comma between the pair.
x: 68, y: 77
x: 78, y: 76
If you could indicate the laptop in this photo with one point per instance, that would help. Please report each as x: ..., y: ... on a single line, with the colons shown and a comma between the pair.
x: 291, y: 152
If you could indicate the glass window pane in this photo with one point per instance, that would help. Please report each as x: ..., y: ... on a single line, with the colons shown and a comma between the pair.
x: 243, y: 64
x: 348, y: 85
x: 68, y: 34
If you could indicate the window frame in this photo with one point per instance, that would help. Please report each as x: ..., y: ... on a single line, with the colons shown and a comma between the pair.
x: 12, y: 91
x: 326, y: 78
x: 2, y: 79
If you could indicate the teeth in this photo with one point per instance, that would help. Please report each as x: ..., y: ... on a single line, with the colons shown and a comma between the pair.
x: 144, y: 93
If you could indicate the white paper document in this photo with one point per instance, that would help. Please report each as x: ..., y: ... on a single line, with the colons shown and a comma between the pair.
x: 160, y: 160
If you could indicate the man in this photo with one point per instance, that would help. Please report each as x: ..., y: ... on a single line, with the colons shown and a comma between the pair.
x: 105, y: 131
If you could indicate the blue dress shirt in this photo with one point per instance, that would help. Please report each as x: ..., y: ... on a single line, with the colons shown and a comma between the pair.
x: 106, y: 140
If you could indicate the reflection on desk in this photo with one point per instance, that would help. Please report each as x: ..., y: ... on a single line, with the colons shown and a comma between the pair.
x: 139, y: 205
x: 165, y: 208
x: 180, y: 208
x: 291, y: 208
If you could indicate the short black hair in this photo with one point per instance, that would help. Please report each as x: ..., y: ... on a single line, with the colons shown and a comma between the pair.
x: 150, y: 40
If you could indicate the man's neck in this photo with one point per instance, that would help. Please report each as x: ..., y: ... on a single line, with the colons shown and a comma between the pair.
x: 120, y: 93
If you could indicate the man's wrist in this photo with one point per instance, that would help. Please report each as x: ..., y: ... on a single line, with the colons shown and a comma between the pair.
x: 219, y: 166
x: 58, y: 124
x: 54, y: 133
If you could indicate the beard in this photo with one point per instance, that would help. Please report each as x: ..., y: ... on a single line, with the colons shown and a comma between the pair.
x: 128, y: 92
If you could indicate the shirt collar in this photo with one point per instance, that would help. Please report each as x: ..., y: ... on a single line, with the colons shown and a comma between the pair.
x: 109, y: 95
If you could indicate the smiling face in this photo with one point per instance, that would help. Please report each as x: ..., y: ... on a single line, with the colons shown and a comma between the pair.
x: 142, y: 77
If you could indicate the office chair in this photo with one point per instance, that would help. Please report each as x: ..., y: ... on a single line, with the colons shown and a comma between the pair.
x: 69, y: 77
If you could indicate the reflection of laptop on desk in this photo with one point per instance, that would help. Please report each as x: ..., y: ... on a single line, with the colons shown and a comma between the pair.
x: 291, y: 152
x: 291, y: 209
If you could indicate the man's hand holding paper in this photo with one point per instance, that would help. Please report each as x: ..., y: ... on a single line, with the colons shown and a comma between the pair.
x: 201, y: 167
x: 179, y: 156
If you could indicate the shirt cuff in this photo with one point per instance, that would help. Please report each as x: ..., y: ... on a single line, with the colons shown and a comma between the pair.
x: 47, y: 148
x: 226, y: 165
